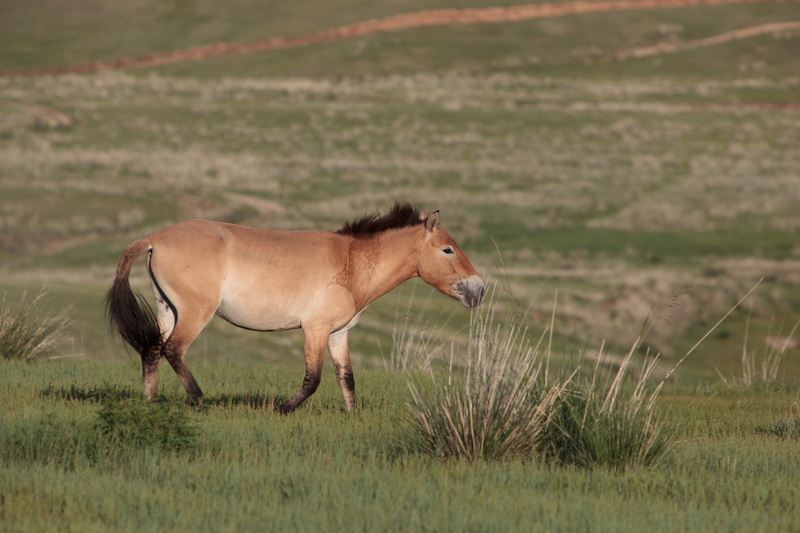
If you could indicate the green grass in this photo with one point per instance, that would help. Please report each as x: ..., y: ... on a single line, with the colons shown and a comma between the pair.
x: 254, y: 469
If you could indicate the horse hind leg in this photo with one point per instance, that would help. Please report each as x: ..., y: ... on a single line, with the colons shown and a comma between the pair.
x: 165, y: 315
x: 187, y: 327
x: 179, y: 330
x: 150, y: 362
x: 174, y: 351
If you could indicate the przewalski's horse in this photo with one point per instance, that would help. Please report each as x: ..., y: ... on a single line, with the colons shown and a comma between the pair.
x: 269, y: 280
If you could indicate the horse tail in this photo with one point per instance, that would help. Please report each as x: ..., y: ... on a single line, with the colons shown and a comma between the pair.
x: 129, y: 314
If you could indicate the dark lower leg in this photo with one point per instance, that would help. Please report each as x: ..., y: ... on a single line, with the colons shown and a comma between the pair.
x: 316, y: 340
x: 150, y: 373
x: 340, y: 355
x: 175, y: 356
x: 310, y: 384
x: 344, y: 375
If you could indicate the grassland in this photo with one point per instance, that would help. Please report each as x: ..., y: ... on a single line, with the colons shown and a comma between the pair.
x: 619, y: 193
x: 250, y: 469
x: 618, y: 184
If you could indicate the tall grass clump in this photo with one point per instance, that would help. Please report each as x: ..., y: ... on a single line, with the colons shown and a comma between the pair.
x: 767, y: 373
x: 27, y: 332
x: 502, y: 405
x: 501, y: 402
x: 609, y: 419
x: 497, y: 407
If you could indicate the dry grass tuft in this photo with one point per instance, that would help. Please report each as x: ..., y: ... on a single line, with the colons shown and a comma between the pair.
x: 502, y: 402
x: 498, y: 407
x: 768, y: 374
x: 504, y: 405
x: 612, y: 424
x: 29, y: 333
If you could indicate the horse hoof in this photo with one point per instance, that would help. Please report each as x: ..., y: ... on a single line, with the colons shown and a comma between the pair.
x: 283, y: 409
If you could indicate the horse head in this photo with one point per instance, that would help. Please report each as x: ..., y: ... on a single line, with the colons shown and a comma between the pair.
x: 442, y: 264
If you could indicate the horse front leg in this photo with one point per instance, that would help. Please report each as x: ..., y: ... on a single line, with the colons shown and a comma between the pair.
x: 340, y: 355
x: 315, y: 341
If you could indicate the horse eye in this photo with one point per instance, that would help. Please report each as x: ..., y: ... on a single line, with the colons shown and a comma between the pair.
x: 448, y: 250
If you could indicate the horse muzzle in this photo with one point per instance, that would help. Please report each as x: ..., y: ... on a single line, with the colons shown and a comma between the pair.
x: 471, y: 291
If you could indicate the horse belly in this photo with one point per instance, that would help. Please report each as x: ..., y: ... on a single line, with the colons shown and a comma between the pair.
x: 281, y: 283
x: 260, y: 311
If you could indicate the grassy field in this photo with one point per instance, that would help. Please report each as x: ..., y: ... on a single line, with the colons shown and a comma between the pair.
x: 249, y: 469
x: 655, y: 190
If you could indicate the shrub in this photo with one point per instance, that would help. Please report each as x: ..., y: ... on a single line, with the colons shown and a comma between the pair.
x: 26, y: 333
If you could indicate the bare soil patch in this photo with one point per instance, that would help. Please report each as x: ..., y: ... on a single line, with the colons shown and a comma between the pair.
x: 735, y: 35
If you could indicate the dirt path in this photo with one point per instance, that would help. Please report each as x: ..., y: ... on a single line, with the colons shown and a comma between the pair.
x: 743, y: 33
x: 32, y: 114
x: 435, y: 17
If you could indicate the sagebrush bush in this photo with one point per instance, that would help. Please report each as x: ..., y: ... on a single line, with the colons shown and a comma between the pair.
x: 28, y: 332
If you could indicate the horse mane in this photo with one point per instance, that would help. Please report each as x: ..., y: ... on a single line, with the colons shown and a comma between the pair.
x: 400, y: 216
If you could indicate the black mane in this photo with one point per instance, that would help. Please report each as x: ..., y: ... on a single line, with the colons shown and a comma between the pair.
x: 400, y: 216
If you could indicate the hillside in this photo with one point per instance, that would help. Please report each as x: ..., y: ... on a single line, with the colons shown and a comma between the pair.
x: 618, y: 180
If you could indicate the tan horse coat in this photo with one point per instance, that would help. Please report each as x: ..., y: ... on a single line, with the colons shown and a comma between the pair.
x: 269, y: 280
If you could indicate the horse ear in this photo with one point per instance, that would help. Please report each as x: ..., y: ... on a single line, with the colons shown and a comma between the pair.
x: 432, y: 222
x: 423, y: 216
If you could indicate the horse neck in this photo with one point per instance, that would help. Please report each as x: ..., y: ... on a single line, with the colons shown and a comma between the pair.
x: 383, y: 261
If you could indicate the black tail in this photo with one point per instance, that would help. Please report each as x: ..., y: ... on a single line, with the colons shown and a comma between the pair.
x: 130, y: 314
